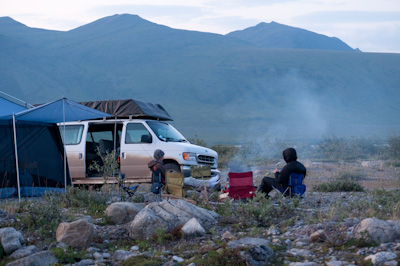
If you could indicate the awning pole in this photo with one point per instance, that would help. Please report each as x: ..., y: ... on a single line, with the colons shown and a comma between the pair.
x: 115, y: 150
x: 16, y: 158
x: 65, y: 154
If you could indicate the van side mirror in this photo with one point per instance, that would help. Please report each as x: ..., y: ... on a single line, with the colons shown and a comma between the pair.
x: 145, y: 139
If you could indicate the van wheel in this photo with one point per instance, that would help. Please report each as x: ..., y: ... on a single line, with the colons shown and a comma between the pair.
x: 172, y: 168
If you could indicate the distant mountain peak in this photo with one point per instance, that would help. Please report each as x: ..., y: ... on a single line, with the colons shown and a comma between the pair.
x: 276, y: 35
x: 114, y: 23
x: 8, y: 22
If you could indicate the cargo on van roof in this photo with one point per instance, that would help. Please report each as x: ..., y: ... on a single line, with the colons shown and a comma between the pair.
x: 130, y: 108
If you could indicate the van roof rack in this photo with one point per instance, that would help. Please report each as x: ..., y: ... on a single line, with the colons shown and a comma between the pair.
x: 130, y: 108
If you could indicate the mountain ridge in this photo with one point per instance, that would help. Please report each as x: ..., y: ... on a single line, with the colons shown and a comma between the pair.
x: 217, y: 87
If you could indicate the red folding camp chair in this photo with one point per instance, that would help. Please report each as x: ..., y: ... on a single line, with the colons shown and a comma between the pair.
x: 241, y: 185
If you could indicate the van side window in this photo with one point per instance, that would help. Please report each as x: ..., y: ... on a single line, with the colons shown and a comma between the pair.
x: 137, y: 133
x: 73, y: 134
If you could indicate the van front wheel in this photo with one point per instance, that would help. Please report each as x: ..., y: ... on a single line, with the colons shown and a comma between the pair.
x: 172, y: 168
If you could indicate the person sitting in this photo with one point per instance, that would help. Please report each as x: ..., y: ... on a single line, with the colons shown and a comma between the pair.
x: 157, y: 164
x: 281, y: 179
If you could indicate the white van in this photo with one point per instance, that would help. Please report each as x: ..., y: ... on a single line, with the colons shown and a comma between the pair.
x: 135, y: 140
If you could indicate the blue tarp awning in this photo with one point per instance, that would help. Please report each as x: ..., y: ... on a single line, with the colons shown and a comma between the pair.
x: 62, y: 110
x: 8, y: 108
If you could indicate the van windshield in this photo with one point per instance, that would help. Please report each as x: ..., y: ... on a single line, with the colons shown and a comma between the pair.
x: 166, y: 132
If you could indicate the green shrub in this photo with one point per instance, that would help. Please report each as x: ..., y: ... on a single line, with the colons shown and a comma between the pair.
x: 339, y: 185
x: 230, y: 257
x: 394, y: 147
x: 68, y: 255
x: 259, y: 210
x: 142, y: 261
x: 336, y: 149
x: 225, y: 154
x: 349, y: 175
x: 94, y: 201
x: 42, y: 217
x: 198, y: 141
x: 109, y: 166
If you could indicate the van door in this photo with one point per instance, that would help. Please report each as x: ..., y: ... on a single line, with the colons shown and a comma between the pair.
x: 75, y: 148
x: 100, y: 140
x: 137, y: 150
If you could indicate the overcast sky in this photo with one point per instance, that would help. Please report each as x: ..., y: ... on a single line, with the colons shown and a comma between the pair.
x: 370, y: 25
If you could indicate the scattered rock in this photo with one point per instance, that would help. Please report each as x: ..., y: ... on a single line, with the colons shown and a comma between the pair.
x: 258, y: 254
x: 43, y: 258
x: 377, y: 230
x: 381, y: 257
x: 121, y: 255
x: 304, y: 264
x: 123, y: 212
x: 318, y: 236
x: 248, y: 242
x: 177, y: 259
x: 227, y: 236
x: 24, y: 252
x: 87, y: 262
x: 337, y: 263
x: 193, y: 227
x: 76, y: 234
x: 300, y: 252
x: 11, y: 239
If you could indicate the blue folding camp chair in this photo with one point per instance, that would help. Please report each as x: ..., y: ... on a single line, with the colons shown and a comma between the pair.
x: 295, y: 186
x: 130, y: 190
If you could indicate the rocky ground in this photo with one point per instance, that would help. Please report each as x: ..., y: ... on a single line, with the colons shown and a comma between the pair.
x: 323, y: 228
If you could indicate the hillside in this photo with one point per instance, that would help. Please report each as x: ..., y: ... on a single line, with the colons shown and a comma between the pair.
x: 275, y: 35
x: 221, y: 88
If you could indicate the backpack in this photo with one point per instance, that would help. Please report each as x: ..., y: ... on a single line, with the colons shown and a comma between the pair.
x: 156, y: 180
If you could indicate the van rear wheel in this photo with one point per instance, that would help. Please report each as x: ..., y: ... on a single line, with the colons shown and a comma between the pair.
x: 172, y: 168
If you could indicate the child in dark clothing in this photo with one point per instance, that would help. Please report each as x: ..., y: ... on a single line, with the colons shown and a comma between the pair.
x: 157, y: 163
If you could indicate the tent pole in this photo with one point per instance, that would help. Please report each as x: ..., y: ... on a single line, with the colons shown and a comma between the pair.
x: 115, y: 149
x: 65, y: 159
x: 16, y: 158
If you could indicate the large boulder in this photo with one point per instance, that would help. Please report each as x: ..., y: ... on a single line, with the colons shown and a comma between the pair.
x: 379, y: 231
x: 76, y: 234
x: 43, y: 258
x: 167, y: 215
x: 123, y: 212
x: 11, y: 239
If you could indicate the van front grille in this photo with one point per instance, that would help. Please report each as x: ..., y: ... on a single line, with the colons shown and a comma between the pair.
x: 205, y: 159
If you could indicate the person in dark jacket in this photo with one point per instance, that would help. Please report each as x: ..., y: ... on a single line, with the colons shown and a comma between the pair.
x: 281, y: 179
x: 157, y: 163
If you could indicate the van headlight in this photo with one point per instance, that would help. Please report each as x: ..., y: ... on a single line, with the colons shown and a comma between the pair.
x: 189, y: 156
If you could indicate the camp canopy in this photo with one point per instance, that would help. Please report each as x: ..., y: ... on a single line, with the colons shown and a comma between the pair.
x: 39, y: 146
x: 8, y: 108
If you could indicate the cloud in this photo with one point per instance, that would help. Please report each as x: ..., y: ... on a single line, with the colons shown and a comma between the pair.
x: 349, y: 16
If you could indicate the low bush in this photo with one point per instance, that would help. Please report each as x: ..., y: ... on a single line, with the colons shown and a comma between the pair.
x: 68, y: 255
x: 394, y: 147
x: 349, y: 175
x: 230, y: 257
x: 260, y: 211
x: 142, y: 261
x: 94, y: 201
x: 225, y: 154
x: 42, y: 217
x: 339, y: 185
